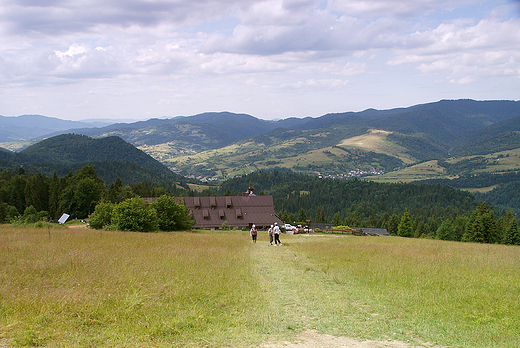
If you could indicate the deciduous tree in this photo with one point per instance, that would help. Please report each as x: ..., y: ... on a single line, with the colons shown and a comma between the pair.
x: 172, y: 215
x: 134, y: 214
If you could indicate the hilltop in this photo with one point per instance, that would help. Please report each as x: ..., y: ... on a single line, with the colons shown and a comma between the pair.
x: 112, y: 156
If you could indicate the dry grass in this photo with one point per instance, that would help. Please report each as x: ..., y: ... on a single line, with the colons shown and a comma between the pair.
x: 82, y: 288
x: 65, y: 287
x: 375, y: 140
x: 421, y: 171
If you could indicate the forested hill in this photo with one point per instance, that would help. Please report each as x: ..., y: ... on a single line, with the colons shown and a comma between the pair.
x: 354, y: 202
x: 72, y: 148
x: 112, y: 157
x: 404, y: 209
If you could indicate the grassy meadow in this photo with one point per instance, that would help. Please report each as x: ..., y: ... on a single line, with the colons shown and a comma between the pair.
x: 79, y: 287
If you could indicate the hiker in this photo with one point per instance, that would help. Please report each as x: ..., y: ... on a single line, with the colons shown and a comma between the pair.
x: 276, y: 231
x: 270, y: 231
x: 254, y: 233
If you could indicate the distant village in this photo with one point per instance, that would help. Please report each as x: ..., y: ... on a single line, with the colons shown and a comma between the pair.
x: 357, y: 173
x: 353, y: 174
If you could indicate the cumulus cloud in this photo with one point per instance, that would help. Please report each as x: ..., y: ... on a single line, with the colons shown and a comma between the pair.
x: 465, y: 50
x: 178, y: 46
x: 62, y: 17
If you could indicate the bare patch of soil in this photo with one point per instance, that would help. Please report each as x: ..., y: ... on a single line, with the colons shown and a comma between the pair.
x: 313, y: 339
x: 78, y: 226
x: 6, y: 343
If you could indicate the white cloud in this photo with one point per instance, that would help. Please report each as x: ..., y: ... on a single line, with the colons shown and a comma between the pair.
x: 251, y: 56
x: 311, y: 83
x: 464, y: 49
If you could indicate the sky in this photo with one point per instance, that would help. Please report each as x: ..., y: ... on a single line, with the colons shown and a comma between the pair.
x: 274, y: 59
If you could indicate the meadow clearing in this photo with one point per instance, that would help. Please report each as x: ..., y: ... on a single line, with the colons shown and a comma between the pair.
x: 84, y: 288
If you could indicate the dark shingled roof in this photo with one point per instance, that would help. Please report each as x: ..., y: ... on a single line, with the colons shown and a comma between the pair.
x: 238, y: 211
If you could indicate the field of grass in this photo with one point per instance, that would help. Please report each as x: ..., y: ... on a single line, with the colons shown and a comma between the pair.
x: 65, y: 287
x: 16, y: 145
x: 497, y: 162
x: 421, y: 171
x: 375, y: 140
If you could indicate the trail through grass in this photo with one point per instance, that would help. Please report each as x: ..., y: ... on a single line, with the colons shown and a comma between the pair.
x: 416, y: 291
x: 63, y: 288
x: 305, y: 295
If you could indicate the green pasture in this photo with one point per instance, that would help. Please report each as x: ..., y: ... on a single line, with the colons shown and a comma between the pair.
x: 497, y: 162
x: 420, y: 171
x: 230, y: 160
x: 16, y: 145
x: 83, y: 288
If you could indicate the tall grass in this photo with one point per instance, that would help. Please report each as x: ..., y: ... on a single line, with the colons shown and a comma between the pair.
x: 66, y: 288
x: 455, y: 294
x: 85, y: 288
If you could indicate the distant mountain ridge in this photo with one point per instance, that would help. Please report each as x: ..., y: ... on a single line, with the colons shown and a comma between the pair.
x: 454, y: 142
x: 442, y: 120
x: 27, y: 127
x: 219, y: 144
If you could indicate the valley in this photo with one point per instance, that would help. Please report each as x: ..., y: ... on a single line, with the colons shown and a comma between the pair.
x: 440, y: 142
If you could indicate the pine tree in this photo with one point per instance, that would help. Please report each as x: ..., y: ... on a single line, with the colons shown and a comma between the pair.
x: 421, y: 230
x: 405, y: 226
x: 302, y: 217
x: 337, y: 221
x: 481, y: 226
x: 116, y: 191
x: 320, y: 215
x: 512, y: 236
x: 54, y: 197
x: 393, y: 224
x: 445, y: 231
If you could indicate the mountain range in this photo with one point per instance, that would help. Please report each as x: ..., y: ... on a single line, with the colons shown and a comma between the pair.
x: 27, y: 127
x: 443, y: 139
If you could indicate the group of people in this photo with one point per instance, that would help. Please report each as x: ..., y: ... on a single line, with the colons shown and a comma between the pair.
x: 273, y: 231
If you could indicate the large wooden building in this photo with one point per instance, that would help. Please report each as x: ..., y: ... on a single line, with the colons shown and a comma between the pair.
x: 238, y: 211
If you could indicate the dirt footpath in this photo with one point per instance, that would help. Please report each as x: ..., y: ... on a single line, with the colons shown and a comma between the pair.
x: 277, y: 274
x: 312, y: 339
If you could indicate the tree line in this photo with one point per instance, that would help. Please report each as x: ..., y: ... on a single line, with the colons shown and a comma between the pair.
x: 408, y: 210
x: 429, y: 211
x: 29, y: 197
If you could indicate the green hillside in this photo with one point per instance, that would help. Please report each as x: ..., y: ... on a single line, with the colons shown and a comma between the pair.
x: 355, y: 202
x: 112, y: 157
x: 330, y: 151
x: 72, y: 148
x: 443, y: 139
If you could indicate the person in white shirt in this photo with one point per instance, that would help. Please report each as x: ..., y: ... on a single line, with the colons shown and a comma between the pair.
x: 276, y: 231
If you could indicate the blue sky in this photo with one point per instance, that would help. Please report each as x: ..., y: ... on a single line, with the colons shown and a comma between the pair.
x: 138, y: 59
